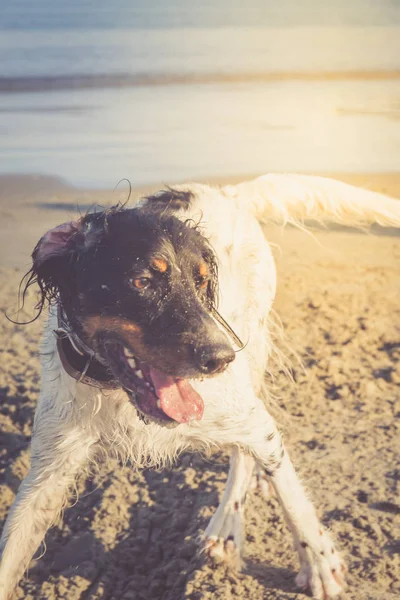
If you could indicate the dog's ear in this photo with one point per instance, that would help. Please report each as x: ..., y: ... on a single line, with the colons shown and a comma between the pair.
x: 68, y: 239
x: 52, y: 259
x: 170, y: 199
x: 58, y: 242
x: 58, y: 252
x: 56, y: 255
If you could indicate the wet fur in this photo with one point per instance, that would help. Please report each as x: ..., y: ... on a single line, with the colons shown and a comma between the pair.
x: 74, y: 423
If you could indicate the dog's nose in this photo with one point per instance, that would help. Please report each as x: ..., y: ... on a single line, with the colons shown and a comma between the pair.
x: 213, y: 358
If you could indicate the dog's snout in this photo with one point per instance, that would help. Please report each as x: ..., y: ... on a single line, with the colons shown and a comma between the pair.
x: 213, y: 358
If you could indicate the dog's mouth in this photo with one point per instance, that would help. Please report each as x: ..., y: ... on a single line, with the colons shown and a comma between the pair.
x: 156, y: 395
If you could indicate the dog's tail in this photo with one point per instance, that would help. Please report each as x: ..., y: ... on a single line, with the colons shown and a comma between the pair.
x: 295, y: 199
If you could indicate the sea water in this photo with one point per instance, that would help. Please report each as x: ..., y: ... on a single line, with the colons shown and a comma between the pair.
x: 96, y: 91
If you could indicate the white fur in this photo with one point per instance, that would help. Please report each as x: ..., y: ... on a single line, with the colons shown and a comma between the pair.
x: 75, y: 422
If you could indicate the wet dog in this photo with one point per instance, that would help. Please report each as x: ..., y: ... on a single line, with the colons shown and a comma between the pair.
x: 148, y: 309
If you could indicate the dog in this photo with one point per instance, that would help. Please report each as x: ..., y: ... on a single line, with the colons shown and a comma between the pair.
x: 157, y: 343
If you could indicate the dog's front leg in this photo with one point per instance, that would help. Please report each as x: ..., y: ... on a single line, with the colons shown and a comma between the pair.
x: 223, y: 538
x: 56, y: 458
x: 321, y: 567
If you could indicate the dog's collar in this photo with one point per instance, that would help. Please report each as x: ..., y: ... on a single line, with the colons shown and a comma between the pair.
x: 78, y: 360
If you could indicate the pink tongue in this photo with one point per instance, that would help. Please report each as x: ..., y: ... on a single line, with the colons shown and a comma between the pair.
x: 178, y: 399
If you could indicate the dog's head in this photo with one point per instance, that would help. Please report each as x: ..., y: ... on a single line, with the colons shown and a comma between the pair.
x: 138, y: 287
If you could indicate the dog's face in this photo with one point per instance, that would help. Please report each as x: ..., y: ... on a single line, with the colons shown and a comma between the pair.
x: 137, y: 287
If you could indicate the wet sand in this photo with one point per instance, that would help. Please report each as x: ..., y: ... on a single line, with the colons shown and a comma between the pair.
x: 132, y: 535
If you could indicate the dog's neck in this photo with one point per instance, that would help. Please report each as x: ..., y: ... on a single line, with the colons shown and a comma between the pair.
x: 78, y: 360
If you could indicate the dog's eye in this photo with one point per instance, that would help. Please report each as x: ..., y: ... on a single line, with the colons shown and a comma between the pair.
x: 202, y: 283
x: 140, y: 283
x: 201, y: 275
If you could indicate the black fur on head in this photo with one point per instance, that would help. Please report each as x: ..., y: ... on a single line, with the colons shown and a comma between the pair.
x: 79, y: 235
x: 69, y: 242
x: 139, y: 288
x: 170, y: 199
x: 139, y: 265
x: 72, y: 248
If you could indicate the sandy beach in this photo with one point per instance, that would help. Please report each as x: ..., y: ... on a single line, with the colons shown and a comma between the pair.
x: 132, y: 535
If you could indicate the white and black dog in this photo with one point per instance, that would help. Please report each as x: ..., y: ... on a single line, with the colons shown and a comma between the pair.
x: 147, y: 307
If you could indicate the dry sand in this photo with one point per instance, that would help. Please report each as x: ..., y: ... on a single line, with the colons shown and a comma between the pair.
x: 132, y: 535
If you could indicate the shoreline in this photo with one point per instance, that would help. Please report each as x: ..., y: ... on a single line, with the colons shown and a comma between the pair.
x: 48, y: 83
x: 22, y: 183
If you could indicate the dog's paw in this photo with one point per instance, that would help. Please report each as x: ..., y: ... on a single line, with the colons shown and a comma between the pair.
x: 322, y: 569
x: 223, y: 551
x: 223, y: 539
x: 260, y: 483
